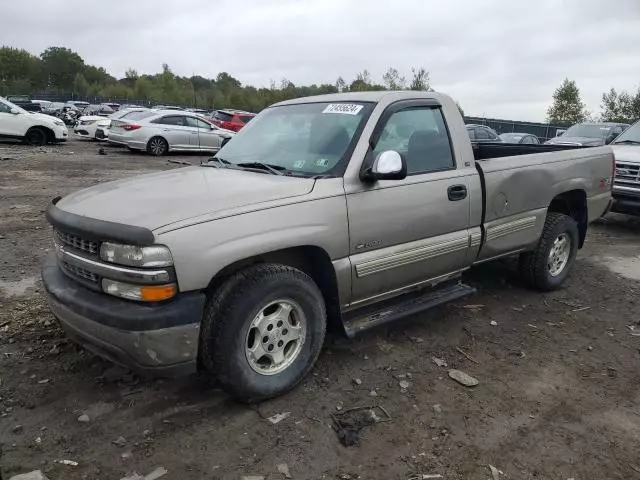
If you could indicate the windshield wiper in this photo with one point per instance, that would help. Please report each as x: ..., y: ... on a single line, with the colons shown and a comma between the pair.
x: 275, y: 169
x: 628, y: 142
x: 220, y: 162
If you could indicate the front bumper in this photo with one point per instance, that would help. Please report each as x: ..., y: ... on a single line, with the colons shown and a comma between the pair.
x: 628, y: 204
x: 160, y: 339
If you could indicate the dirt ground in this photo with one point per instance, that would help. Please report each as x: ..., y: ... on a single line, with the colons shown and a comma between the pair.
x: 559, y: 374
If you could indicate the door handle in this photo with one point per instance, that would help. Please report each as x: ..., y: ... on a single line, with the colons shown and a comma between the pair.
x: 457, y: 192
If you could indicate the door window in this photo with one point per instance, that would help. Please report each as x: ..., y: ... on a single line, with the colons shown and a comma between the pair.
x: 197, y: 123
x: 420, y: 135
x: 4, y: 108
x: 172, y: 120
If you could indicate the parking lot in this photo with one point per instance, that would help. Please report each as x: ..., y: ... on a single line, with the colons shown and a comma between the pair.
x: 559, y: 378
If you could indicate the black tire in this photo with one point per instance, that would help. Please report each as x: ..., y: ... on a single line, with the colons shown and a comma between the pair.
x: 534, y: 266
x: 36, y: 137
x: 157, y: 146
x: 228, y: 318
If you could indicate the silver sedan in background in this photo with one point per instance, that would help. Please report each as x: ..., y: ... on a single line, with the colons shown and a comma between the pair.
x: 161, y: 131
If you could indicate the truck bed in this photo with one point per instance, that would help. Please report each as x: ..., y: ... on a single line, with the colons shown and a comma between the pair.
x: 522, y: 181
x: 487, y: 151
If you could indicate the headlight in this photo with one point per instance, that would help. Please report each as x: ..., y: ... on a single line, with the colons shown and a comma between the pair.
x: 133, y: 256
x: 60, y: 123
x: 88, y: 122
x: 145, y: 293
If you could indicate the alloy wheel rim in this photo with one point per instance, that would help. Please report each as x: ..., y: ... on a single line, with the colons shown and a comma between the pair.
x: 559, y: 255
x: 275, y: 337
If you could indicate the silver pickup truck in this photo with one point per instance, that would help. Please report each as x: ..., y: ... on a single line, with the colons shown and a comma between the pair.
x: 351, y: 209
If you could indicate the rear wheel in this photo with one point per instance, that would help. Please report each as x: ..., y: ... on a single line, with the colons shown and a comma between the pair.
x: 36, y: 136
x: 262, y: 331
x: 548, y: 266
x: 157, y: 146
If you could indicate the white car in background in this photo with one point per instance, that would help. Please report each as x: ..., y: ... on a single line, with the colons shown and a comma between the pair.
x: 32, y: 128
x: 96, y: 127
x: 161, y: 131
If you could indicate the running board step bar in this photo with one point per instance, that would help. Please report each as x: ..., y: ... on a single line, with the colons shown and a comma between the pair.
x: 389, y: 311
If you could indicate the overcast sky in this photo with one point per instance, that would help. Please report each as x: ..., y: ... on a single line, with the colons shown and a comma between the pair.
x: 498, y: 58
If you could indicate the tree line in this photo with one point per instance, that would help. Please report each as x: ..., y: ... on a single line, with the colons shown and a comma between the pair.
x: 59, y: 70
x: 568, y: 108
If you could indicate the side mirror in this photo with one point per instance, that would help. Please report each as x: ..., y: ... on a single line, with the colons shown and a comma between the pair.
x: 610, y: 139
x: 14, y: 111
x: 388, y: 165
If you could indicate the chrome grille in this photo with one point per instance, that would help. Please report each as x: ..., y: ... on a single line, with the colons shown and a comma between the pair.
x: 81, y: 272
x: 627, y: 175
x: 77, y: 242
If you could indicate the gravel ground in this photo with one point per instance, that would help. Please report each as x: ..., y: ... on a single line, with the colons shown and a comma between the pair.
x: 558, y: 394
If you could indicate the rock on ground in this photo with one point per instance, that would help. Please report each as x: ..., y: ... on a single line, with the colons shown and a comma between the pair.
x: 463, y: 378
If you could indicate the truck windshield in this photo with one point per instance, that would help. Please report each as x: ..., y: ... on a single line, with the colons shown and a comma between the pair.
x: 630, y: 135
x: 588, y: 131
x: 303, y: 139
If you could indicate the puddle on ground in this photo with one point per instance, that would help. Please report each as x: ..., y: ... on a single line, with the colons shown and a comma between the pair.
x: 628, y: 267
x: 18, y: 288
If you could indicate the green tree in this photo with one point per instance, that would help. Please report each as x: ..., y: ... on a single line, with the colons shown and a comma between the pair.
x: 620, y: 107
x: 341, y: 85
x: 567, y: 107
x: 19, y: 70
x: 363, y: 83
x: 393, y: 80
x: 61, y: 66
x: 80, y: 85
x: 420, y: 80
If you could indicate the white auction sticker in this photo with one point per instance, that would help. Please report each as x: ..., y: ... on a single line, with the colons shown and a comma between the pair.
x: 344, y: 108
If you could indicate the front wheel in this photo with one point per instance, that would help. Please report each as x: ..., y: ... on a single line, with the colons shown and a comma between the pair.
x: 548, y: 266
x: 36, y: 137
x: 263, y: 331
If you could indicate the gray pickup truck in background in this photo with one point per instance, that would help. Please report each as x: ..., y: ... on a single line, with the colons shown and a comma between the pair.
x: 350, y: 209
x: 626, y: 187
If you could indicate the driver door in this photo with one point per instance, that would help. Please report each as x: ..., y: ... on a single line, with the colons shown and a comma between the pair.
x: 406, y: 232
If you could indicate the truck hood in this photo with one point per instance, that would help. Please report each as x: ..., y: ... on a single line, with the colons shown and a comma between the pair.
x: 626, y: 153
x: 586, y: 141
x: 159, y: 199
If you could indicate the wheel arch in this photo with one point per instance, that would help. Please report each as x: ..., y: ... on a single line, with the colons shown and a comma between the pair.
x: 50, y: 134
x: 310, y: 259
x: 573, y: 203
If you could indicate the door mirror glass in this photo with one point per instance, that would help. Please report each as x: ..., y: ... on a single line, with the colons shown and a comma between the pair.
x: 388, y: 165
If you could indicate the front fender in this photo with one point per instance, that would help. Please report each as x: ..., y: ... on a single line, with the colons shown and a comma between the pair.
x: 200, y: 251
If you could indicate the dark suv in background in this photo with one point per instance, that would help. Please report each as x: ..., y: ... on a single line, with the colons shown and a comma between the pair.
x: 231, y: 119
x: 590, y: 134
